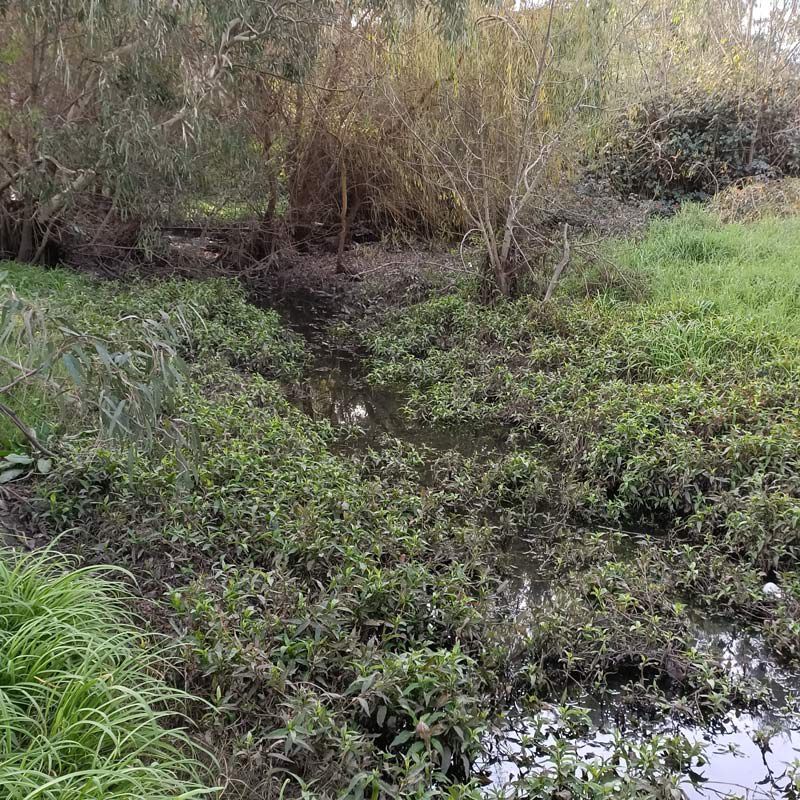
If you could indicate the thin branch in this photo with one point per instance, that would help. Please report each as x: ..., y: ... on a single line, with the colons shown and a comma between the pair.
x: 27, y: 432
x: 559, y: 267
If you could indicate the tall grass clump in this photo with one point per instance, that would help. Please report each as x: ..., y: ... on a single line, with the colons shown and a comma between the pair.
x: 83, y: 711
x: 740, y: 271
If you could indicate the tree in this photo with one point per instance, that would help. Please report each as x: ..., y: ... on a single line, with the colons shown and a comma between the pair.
x: 114, y: 105
x: 112, y: 98
x: 500, y: 132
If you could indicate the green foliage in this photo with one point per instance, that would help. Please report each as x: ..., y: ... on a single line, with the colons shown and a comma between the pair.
x: 678, y: 412
x: 342, y: 609
x: 627, y: 770
x: 120, y: 351
x: 342, y: 617
x: 693, y: 143
x: 129, y: 387
x: 84, y: 712
x: 744, y: 282
x: 327, y: 612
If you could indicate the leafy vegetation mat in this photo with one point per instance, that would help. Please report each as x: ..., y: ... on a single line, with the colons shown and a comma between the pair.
x: 345, y: 608
x: 676, y: 412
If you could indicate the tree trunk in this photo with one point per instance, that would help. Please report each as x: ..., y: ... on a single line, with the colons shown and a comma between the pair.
x: 26, y: 246
x: 343, y: 219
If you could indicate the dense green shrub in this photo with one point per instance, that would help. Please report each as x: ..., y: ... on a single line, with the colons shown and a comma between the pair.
x: 692, y: 143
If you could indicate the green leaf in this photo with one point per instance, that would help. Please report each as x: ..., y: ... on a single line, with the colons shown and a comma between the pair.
x: 18, y: 458
x: 105, y: 356
x: 10, y: 475
x: 401, y: 738
x: 71, y: 364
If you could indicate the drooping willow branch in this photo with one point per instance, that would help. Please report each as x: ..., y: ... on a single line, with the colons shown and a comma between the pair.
x: 27, y: 432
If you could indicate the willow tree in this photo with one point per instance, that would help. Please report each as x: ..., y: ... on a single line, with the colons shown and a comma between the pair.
x: 109, y: 98
x: 126, y: 104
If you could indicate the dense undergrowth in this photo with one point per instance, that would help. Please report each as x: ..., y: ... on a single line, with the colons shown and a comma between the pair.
x: 344, y: 610
x: 336, y: 620
x: 676, y: 412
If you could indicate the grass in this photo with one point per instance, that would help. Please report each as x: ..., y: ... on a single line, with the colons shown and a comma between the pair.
x: 742, y: 272
x: 83, y: 711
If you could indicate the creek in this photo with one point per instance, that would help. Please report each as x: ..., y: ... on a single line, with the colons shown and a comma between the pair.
x: 746, y: 753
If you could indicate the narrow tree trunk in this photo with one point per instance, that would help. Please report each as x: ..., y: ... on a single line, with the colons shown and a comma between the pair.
x: 6, y: 232
x: 343, y: 219
x: 26, y: 247
x: 556, y: 277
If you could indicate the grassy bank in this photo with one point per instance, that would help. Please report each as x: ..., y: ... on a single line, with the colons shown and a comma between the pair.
x: 343, y: 607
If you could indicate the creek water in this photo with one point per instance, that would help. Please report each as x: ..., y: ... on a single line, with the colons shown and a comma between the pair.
x: 335, y: 390
x: 747, y: 753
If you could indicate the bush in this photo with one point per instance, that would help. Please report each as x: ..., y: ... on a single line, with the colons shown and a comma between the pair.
x: 83, y: 709
x: 691, y: 144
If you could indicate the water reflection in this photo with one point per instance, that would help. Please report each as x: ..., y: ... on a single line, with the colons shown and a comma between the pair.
x: 751, y: 756
x: 332, y: 392
x: 745, y: 754
x: 745, y: 757
x: 335, y: 390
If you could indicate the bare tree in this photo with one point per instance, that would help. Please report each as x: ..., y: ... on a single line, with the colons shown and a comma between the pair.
x: 507, y: 125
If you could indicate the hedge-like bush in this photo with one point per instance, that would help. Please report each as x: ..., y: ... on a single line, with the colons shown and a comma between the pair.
x: 691, y: 144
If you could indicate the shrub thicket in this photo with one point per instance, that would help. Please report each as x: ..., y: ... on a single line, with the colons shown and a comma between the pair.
x: 691, y: 144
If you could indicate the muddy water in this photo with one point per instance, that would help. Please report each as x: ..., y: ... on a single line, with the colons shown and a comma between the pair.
x: 747, y: 754
x: 335, y: 389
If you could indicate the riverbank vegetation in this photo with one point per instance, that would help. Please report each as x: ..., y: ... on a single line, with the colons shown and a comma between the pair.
x: 343, y: 608
x: 671, y: 411
x: 414, y: 390
x: 86, y: 712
